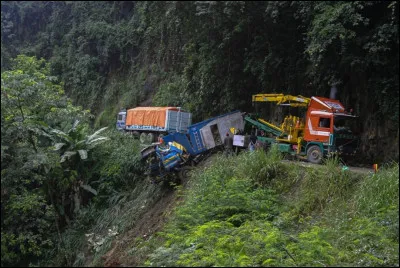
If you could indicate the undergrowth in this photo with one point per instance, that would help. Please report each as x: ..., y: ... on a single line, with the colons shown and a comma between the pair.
x: 246, y: 210
x: 123, y: 194
x: 254, y: 210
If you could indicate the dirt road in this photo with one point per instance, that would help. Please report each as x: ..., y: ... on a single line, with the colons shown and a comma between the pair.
x: 352, y: 169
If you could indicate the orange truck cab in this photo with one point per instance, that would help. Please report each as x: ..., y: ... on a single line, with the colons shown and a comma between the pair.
x: 328, y: 128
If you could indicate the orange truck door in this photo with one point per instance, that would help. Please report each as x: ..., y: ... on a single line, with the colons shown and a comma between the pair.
x: 318, y: 127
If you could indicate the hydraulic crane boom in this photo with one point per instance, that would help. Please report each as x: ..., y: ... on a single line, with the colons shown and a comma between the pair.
x: 292, y: 127
x: 281, y: 99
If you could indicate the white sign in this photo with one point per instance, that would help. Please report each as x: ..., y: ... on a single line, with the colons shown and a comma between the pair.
x: 238, y: 140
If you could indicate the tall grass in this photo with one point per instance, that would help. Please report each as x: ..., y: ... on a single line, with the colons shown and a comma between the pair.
x: 254, y: 210
x: 359, y: 212
x: 324, y: 185
x: 260, y: 167
x: 379, y: 191
x: 124, y: 211
x: 228, y: 199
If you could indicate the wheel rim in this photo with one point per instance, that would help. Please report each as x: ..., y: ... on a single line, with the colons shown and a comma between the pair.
x: 314, y: 154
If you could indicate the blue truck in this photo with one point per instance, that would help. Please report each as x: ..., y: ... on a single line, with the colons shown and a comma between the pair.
x: 179, y: 151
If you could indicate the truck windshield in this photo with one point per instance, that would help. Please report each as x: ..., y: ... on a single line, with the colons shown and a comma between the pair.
x: 344, y: 123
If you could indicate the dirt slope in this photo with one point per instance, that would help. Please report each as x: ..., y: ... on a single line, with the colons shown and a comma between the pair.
x: 150, y: 223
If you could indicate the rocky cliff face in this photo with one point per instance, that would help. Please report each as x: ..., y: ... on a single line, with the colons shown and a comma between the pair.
x: 380, y: 142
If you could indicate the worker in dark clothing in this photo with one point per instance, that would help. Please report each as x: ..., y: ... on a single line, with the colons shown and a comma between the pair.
x: 253, y: 139
x: 228, y: 144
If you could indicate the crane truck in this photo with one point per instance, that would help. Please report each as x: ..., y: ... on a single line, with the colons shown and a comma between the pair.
x: 176, y: 152
x: 149, y: 123
x: 326, y: 128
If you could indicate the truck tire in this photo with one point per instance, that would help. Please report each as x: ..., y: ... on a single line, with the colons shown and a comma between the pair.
x: 314, y: 154
x: 143, y: 137
x: 136, y: 134
x: 184, y: 173
x: 150, y: 137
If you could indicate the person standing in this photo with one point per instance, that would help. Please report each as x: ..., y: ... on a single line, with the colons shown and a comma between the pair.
x: 228, y: 144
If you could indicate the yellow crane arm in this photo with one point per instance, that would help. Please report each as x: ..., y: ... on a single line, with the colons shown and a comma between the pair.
x: 281, y: 99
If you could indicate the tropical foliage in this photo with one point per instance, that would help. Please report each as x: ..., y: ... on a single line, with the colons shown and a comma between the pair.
x: 210, y: 57
x: 69, y: 184
x: 36, y: 184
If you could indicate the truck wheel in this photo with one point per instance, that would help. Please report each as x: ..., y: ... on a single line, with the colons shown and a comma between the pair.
x: 184, y: 173
x: 150, y: 137
x: 314, y: 154
x: 135, y: 134
x: 143, y: 137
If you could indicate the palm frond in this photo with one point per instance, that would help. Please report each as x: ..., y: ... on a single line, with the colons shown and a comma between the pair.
x: 58, y: 146
x: 89, y: 189
x: 96, y: 141
x: 67, y: 155
x: 62, y: 134
x: 83, y: 154
x: 74, y: 126
x: 94, y: 135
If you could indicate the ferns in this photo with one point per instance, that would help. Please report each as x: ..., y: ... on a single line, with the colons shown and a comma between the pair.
x: 234, y: 214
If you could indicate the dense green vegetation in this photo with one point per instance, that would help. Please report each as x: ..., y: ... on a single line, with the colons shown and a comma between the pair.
x: 35, y: 183
x: 70, y: 185
x: 210, y: 57
x: 52, y: 166
x: 253, y: 210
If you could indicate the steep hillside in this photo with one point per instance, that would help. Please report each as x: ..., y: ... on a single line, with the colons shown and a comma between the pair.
x: 253, y: 209
x: 74, y: 193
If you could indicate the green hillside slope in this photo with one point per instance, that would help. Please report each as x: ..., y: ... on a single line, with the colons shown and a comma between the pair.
x: 255, y: 210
